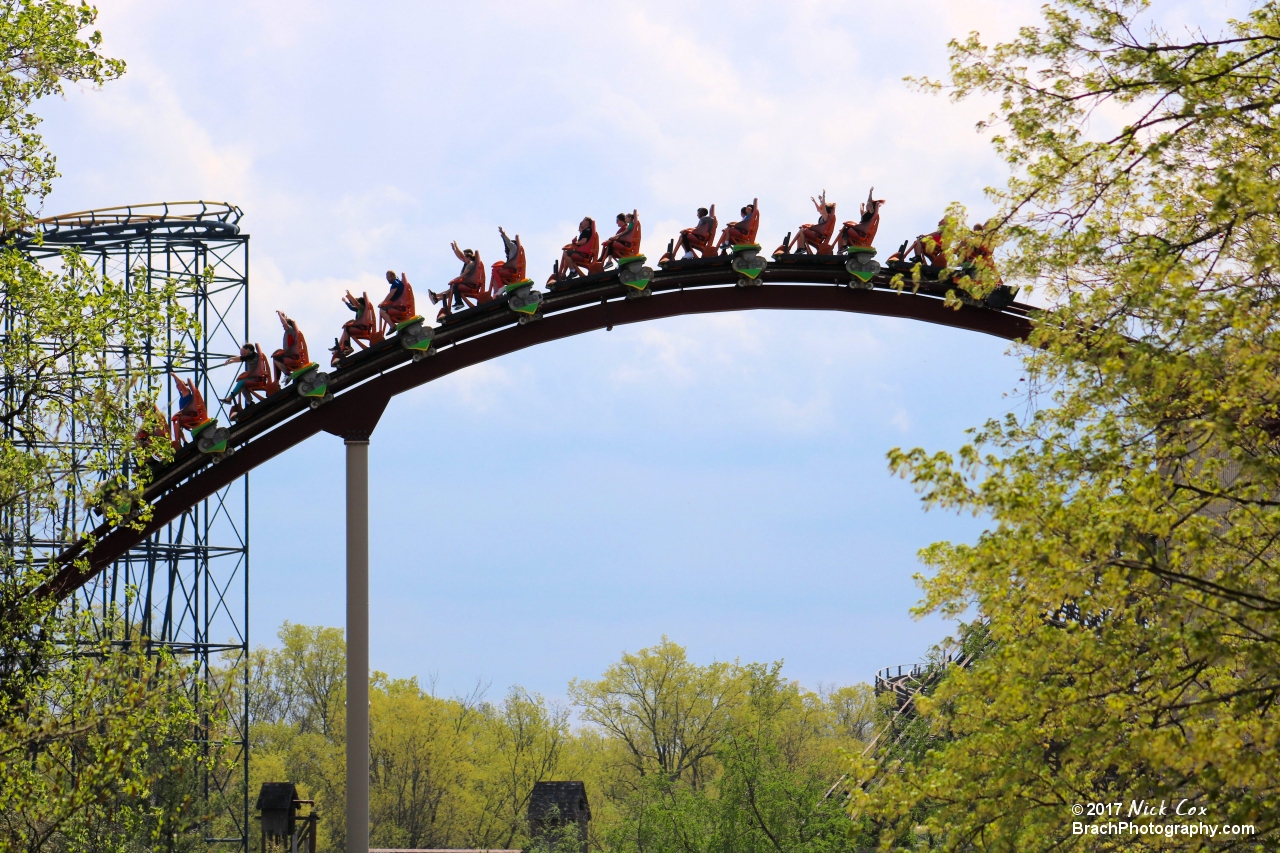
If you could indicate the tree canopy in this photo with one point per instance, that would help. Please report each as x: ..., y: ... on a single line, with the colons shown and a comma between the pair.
x: 459, y: 771
x: 1128, y: 580
x: 95, y: 740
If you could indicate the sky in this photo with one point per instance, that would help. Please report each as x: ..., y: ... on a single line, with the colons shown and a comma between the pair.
x: 718, y: 480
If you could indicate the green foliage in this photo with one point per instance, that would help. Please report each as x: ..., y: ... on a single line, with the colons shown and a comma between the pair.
x: 297, y: 696
x: 444, y: 772
x: 421, y: 759
x: 73, y: 352
x: 94, y: 740
x: 557, y: 836
x: 43, y: 46
x: 522, y: 741
x: 95, y: 754
x: 302, y: 683
x: 667, y: 713
x: 459, y: 772
x: 771, y: 753
x: 1129, y: 578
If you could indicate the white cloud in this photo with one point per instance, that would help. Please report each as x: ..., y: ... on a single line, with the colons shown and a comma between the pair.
x: 167, y: 153
x: 359, y: 138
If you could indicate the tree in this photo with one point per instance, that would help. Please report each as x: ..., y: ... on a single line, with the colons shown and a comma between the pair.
x: 1128, y: 581
x: 94, y: 750
x: 764, y: 784
x: 459, y: 772
x: 303, y: 683
x: 421, y: 750
x: 445, y: 772
x: 297, y: 696
x: 667, y: 713
x: 43, y: 46
x: 779, y: 760
x: 98, y: 755
x: 523, y: 743
x: 852, y: 711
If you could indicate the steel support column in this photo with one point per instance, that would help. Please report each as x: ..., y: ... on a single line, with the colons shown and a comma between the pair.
x: 357, y: 646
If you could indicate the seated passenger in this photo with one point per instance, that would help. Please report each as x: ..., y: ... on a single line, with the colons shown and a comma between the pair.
x: 398, y: 306
x: 624, y: 244
x: 191, y: 408
x: 154, y: 425
x: 578, y: 257
x: 255, y: 380
x: 292, y: 355
x: 978, y: 252
x: 862, y: 232
x: 466, y: 288
x: 700, y: 238
x: 744, y: 230
x: 363, y: 328
x: 509, y: 271
x: 927, y: 249
x: 815, y: 238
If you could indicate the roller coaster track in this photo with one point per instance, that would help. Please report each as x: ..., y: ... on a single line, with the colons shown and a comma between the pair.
x: 110, y: 224
x: 363, y: 385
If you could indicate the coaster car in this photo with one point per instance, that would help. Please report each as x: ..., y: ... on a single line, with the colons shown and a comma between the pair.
x: 938, y: 280
x: 698, y: 241
x: 472, y: 312
x: 748, y: 263
x: 634, y: 274
x: 523, y: 299
x: 862, y: 265
x: 519, y: 297
x: 416, y: 336
x: 210, y: 438
x: 311, y: 382
x: 813, y: 238
x: 1000, y: 297
x: 571, y: 279
x: 362, y: 330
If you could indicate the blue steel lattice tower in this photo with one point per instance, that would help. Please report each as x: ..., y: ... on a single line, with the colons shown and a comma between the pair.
x: 186, y: 588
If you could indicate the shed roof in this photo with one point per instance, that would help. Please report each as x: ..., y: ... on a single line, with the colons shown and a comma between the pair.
x: 569, y: 798
x: 276, y: 796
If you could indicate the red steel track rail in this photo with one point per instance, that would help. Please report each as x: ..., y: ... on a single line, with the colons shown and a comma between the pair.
x: 362, y: 388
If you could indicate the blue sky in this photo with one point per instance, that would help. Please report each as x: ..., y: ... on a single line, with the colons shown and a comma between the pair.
x: 720, y: 480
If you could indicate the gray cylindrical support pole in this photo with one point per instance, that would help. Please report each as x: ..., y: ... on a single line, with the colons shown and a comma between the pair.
x: 357, y: 646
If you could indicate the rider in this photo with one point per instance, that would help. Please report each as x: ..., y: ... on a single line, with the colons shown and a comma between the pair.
x: 468, y: 284
x: 863, y: 232
x: 579, y: 255
x: 927, y: 249
x: 626, y: 243
x: 979, y: 253
x: 363, y: 328
x: 191, y: 408
x: 255, y: 378
x: 814, y: 238
x: 154, y: 425
x: 507, y: 271
x: 698, y: 237
x: 398, y: 306
x: 743, y: 231
x: 292, y: 356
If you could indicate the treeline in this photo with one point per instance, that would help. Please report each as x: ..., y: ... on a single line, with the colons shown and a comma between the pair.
x: 675, y: 755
